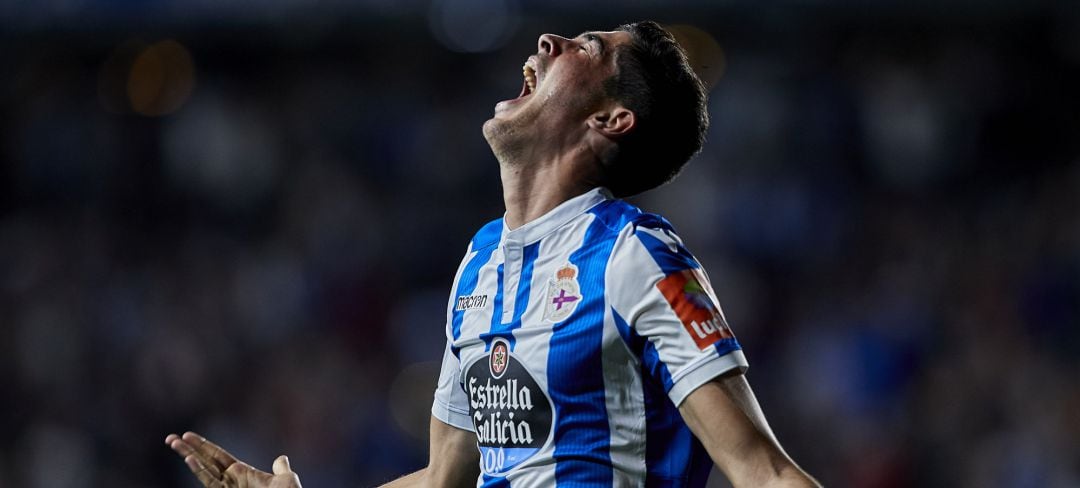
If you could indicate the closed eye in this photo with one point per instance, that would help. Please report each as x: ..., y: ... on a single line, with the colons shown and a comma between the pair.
x: 596, y: 41
x: 588, y: 39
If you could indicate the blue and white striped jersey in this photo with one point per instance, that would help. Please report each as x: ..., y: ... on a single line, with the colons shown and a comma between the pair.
x: 571, y: 341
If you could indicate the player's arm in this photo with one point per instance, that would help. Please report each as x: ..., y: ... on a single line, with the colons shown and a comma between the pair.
x: 726, y: 418
x: 453, y: 460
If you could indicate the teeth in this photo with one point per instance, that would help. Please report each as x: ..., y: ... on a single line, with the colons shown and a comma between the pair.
x: 530, y: 77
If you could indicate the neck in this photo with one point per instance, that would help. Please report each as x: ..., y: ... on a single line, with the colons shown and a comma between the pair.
x: 532, y: 190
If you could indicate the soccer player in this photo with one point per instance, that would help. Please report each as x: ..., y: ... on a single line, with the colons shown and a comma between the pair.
x: 585, y: 345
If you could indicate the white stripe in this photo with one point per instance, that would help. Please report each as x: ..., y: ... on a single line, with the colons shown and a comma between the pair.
x: 625, y: 402
x: 689, y: 366
x: 534, y: 341
x: 451, y: 403
x: 704, y: 372
x: 478, y: 321
x: 469, y: 254
x: 533, y: 338
x: 535, y: 476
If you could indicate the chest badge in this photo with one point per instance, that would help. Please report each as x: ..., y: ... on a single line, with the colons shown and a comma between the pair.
x: 498, y: 359
x: 511, y: 414
x: 563, y: 294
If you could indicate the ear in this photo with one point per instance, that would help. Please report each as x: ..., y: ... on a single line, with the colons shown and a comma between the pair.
x: 614, y: 122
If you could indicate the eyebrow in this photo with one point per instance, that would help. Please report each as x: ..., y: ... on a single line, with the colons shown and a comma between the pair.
x: 589, y: 36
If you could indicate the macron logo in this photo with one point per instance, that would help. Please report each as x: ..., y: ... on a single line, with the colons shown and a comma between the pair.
x: 471, y: 302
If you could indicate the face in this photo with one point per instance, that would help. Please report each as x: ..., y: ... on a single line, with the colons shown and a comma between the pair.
x: 562, y: 88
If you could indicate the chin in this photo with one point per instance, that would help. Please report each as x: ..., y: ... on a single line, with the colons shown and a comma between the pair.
x: 500, y: 137
x: 490, y: 128
x: 495, y: 133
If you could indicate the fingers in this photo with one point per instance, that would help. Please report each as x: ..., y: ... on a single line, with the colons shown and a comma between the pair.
x: 203, y: 472
x: 281, y: 465
x: 216, y: 468
x: 282, y: 468
x: 194, y: 459
x: 210, y: 452
x: 205, y: 459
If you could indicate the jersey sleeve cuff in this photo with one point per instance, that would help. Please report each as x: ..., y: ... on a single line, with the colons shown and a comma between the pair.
x: 703, y: 372
x: 452, y: 416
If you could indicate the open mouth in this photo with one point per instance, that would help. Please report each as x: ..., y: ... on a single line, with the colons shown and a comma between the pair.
x: 529, y: 86
x: 532, y: 80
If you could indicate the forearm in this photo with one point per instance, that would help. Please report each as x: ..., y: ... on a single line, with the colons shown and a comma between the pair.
x: 728, y: 421
x: 793, y: 477
x: 758, y: 461
x: 771, y: 471
x: 790, y: 478
x: 428, y: 477
x: 453, y: 460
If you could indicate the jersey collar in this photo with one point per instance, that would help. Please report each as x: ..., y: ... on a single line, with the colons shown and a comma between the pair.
x: 555, y: 218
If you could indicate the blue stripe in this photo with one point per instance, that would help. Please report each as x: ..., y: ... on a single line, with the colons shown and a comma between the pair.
x: 670, y: 445
x: 725, y: 346
x: 496, y: 310
x: 488, y: 235
x: 669, y: 261
x: 628, y: 336
x: 673, y: 456
x: 576, y: 371
x: 644, y: 350
x: 467, y: 284
x: 654, y: 367
x: 495, y: 482
x: 521, y: 300
x: 651, y: 365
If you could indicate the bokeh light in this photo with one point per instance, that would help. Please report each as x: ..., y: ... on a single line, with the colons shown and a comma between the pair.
x: 702, y: 51
x: 161, y: 79
x: 473, y: 26
x: 409, y: 400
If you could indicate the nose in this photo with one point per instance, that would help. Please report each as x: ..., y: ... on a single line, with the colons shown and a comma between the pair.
x: 551, y: 44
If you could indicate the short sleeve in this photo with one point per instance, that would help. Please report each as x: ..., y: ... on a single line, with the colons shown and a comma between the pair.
x: 666, y: 311
x: 451, y: 404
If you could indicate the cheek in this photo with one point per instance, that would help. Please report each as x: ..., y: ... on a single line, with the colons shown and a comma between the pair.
x: 574, y: 92
x: 584, y: 84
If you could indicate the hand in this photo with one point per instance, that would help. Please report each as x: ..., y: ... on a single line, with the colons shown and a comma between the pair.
x: 216, y: 468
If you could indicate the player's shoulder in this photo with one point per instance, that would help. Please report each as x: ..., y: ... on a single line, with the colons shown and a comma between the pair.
x: 630, y: 220
x: 649, y: 234
x: 488, y: 235
x: 621, y: 215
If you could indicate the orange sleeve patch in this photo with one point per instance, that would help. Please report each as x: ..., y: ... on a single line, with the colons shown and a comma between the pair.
x: 692, y: 302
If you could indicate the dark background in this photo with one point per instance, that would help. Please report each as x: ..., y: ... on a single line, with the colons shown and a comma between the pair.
x: 243, y: 218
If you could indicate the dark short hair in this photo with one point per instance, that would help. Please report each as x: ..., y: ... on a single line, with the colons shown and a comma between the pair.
x: 655, y: 81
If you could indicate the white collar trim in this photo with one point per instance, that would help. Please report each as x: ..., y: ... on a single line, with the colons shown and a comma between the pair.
x: 557, y: 217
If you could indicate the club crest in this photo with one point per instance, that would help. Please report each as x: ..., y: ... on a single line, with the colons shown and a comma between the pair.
x: 563, y: 294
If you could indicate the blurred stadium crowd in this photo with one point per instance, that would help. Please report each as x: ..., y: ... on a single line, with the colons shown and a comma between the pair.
x: 249, y: 229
